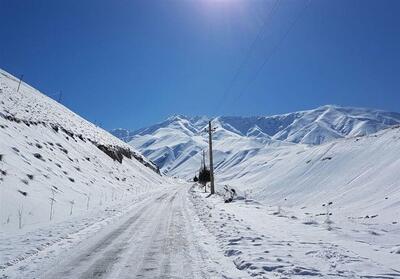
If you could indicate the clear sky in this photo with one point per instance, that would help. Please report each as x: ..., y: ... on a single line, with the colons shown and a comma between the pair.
x: 133, y: 63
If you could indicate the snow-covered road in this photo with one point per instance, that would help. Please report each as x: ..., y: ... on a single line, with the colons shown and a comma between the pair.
x: 157, y: 238
x: 154, y: 241
x: 179, y: 232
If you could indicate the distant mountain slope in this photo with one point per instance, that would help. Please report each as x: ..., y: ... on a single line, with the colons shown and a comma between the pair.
x: 173, y: 143
x: 47, y: 151
x: 315, y: 126
x: 353, y: 161
x: 359, y: 175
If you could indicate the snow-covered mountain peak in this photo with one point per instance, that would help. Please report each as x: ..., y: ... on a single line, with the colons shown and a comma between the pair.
x: 177, y: 117
x: 313, y: 126
x: 180, y: 137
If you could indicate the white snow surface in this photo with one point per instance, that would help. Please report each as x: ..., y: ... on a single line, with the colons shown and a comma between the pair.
x: 271, y: 242
x: 39, y: 164
x: 155, y: 235
x: 357, y: 175
x: 176, y: 144
x: 313, y: 126
x: 328, y: 210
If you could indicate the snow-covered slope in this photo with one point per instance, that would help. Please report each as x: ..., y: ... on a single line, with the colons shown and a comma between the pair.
x: 347, y: 167
x: 173, y: 144
x: 356, y: 181
x: 48, y: 152
x: 359, y: 175
x: 315, y: 126
x: 340, y: 196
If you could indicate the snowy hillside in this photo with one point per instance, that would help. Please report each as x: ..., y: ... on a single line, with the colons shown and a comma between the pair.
x: 54, y: 164
x: 345, y: 192
x: 333, y: 206
x: 275, y: 168
x: 173, y: 143
x: 359, y: 175
x: 76, y: 202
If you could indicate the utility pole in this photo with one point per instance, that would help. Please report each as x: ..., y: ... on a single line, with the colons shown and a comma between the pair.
x: 203, y: 161
x: 203, y: 169
x: 20, y: 80
x: 60, y: 96
x: 211, y: 157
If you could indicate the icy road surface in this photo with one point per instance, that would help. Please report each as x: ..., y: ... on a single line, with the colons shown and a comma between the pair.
x: 158, y: 238
x: 154, y: 240
x: 180, y: 232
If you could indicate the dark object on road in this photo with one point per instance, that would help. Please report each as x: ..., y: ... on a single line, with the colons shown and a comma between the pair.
x: 229, y: 194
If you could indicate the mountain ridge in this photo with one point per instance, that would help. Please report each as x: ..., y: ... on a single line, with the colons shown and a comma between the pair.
x: 293, y: 127
x: 178, y: 140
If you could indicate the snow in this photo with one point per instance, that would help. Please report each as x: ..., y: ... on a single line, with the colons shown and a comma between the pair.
x: 268, y: 244
x: 157, y: 236
x: 318, y: 195
x: 105, y: 212
x: 358, y: 174
x: 176, y: 144
x: 352, y: 165
x: 48, y: 152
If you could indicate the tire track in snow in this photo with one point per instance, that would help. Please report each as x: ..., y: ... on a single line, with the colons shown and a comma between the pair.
x: 97, y: 260
x: 155, y: 241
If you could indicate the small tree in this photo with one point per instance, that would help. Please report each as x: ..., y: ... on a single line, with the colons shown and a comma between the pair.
x: 204, y: 176
x: 204, y: 173
x: 195, y: 179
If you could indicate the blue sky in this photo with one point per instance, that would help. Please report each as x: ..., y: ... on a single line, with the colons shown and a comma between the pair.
x: 132, y: 63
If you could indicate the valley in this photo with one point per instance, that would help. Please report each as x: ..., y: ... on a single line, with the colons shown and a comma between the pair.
x: 77, y: 202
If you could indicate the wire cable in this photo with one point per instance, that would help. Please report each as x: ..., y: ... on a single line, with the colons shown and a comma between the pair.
x: 274, y: 50
x: 243, y: 63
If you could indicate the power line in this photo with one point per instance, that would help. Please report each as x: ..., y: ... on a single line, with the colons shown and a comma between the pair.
x: 274, y: 49
x: 243, y: 63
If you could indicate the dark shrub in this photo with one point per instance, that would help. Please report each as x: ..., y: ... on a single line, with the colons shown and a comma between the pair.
x: 55, y: 128
x: 38, y: 156
x: 23, y: 193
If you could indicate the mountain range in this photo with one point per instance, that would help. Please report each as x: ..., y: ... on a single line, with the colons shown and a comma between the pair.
x: 179, y: 140
x: 349, y: 156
